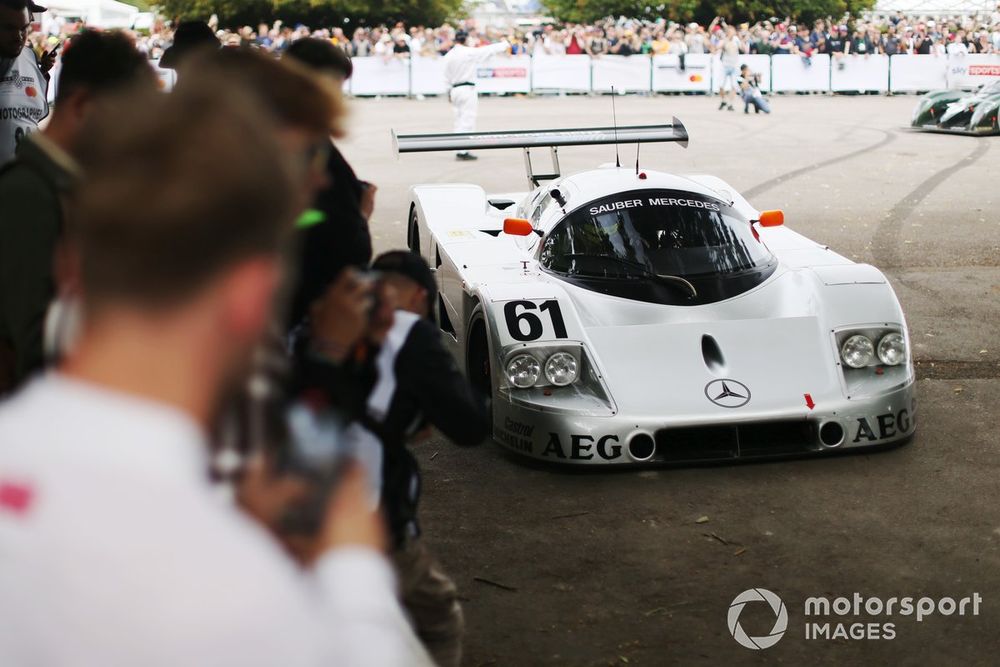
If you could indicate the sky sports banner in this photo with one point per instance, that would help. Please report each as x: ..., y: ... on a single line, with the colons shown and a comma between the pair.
x: 974, y: 69
x: 504, y: 74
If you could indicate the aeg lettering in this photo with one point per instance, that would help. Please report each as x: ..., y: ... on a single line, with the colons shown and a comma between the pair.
x: 583, y: 447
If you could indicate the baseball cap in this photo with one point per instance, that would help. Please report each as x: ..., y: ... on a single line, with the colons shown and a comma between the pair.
x: 189, y: 36
x: 36, y: 9
x: 410, y: 265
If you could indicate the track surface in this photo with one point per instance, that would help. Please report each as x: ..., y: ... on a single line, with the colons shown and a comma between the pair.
x: 613, y: 568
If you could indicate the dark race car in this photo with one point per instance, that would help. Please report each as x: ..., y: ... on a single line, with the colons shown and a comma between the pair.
x: 960, y: 111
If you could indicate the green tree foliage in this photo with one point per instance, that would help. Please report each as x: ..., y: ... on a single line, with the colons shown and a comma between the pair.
x: 734, y: 11
x: 315, y: 12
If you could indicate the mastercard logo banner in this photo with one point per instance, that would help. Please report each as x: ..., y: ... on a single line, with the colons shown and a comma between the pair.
x: 696, y: 78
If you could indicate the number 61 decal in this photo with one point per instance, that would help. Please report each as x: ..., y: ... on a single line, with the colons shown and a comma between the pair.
x: 524, y: 325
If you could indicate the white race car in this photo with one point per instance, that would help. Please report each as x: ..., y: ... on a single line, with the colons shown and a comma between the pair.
x: 625, y: 316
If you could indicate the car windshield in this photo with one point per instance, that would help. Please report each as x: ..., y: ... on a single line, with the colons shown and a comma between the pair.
x: 654, y: 234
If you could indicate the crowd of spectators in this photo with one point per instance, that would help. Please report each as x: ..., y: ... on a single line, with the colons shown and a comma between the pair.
x: 897, y: 34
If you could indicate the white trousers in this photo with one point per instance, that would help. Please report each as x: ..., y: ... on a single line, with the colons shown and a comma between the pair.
x: 464, y: 103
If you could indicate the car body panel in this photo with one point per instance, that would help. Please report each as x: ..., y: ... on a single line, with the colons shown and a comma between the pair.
x: 960, y: 112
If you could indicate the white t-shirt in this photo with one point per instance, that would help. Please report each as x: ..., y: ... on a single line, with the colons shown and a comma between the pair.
x: 461, y: 62
x: 23, y: 102
x: 116, y: 551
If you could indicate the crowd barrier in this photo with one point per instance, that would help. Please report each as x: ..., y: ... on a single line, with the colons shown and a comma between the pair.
x: 695, y: 73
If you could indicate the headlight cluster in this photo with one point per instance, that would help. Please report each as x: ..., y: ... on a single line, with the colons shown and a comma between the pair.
x: 859, y: 350
x: 526, y: 370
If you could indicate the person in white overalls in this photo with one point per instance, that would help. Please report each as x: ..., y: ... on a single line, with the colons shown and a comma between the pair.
x: 460, y: 66
x: 23, y: 80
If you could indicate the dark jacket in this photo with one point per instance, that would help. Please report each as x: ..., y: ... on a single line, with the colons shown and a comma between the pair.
x: 33, y: 188
x: 341, y: 202
x: 423, y: 387
x: 429, y: 391
x: 340, y: 241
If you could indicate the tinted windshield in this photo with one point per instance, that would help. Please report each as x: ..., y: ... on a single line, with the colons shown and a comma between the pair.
x: 654, y: 231
x: 660, y: 246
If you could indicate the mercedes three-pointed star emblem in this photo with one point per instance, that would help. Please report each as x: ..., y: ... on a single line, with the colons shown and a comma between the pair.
x: 727, y: 393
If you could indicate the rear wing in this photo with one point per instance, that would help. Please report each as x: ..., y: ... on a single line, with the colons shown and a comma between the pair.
x: 551, y: 139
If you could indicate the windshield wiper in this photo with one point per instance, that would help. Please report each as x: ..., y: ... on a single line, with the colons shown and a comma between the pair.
x: 644, y: 271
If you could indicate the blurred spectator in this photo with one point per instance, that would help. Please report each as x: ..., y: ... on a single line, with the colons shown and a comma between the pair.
x: 339, y: 236
x: 190, y: 37
x: 729, y: 53
x: 24, y: 79
x: 175, y: 300
x: 35, y: 186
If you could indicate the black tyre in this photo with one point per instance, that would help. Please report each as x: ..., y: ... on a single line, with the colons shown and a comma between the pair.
x: 413, y: 231
x: 478, y: 362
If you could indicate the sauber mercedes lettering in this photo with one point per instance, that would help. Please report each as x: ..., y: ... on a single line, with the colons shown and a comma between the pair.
x: 621, y: 316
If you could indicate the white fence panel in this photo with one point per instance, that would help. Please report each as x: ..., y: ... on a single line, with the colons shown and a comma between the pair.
x: 567, y: 73
x: 378, y: 75
x: 795, y: 73
x: 973, y: 70
x: 504, y: 74
x: 908, y: 74
x: 694, y: 76
x: 427, y: 76
x: 629, y: 74
x: 860, y: 73
x: 758, y: 64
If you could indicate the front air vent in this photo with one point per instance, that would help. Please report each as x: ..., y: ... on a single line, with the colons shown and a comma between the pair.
x: 712, y: 354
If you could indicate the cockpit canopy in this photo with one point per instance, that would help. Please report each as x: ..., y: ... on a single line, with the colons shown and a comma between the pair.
x: 657, y: 245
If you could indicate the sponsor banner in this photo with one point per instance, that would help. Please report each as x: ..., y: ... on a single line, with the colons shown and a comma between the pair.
x: 972, y: 70
x: 427, y: 76
x: 795, y: 73
x: 380, y: 75
x: 694, y: 74
x: 504, y: 74
x: 630, y: 74
x: 758, y: 64
x: 569, y: 73
x: 910, y: 74
x: 860, y: 73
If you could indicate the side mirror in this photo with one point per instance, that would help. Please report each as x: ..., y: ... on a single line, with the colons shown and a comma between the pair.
x: 772, y: 218
x: 517, y: 227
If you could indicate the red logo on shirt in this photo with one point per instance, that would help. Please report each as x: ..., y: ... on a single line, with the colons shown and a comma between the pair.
x: 16, y: 497
x: 30, y: 91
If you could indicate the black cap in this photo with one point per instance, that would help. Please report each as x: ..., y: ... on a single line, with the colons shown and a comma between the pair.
x: 412, y: 266
x: 36, y: 9
x: 189, y: 36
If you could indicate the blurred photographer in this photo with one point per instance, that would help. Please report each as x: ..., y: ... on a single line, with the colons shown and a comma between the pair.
x: 418, y: 385
x: 749, y: 83
x: 117, y: 552
x: 346, y: 200
x: 392, y: 387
